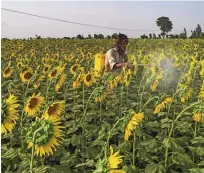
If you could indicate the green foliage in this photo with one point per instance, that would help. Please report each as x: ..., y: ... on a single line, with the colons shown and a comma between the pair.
x: 90, y: 133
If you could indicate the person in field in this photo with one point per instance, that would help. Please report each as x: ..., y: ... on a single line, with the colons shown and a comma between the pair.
x: 115, y: 58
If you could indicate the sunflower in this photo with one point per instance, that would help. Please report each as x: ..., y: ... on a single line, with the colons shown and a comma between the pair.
x: 192, y: 65
x: 127, y: 78
x: 114, y: 83
x: 78, y: 80
x: 40, y: 79
x: 27, y: 69
x: 155, y: 83
x: 55, y: 109
x: 26, y: 76
x: 9, y: 114
x: 117, y: 79
x: 76, y: 84
x: 187, y: 95
x: 188, y: 79
x: 32, y: 52
x: 55, y: 73
x: 135, y: 67
x: 113, y: 162
x: 198, y: 117
x: 8, y: 72
x: 88, y: 79
x: 74, y: 69
x: 60, y: 82
x: 45, y: 60
x: 131, y: 125
x: 101, y: 96
x: 50, y: 135
x: 162, y: 105
x: 46, y: 68
x: 21, y: 46
x: 20, y: 65
x: 153, y: 69
x: 20, y: 56
x: 33, y: 104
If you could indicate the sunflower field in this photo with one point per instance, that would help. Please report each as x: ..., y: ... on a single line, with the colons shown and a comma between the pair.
x: 59, y: 116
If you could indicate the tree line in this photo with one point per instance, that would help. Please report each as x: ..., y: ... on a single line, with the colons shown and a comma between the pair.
x: 165, y: 25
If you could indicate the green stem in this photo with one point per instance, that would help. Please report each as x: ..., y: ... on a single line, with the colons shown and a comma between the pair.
x: 166, y: 157
x: 100, y: 111
x: 7, y: 82
x: 195, y: 130
x: 195, y: 134
x: 121, y: 100
x: 33, y: 149
x: 22, y: 115
x: 143, y: 88
x: 83, y: 96
x: 85, y: 109
x: 65, y: 94
x: 83, y: 119
x: 48, y: 87
x: 134, y: 148
x: 172, y: 126
x: 127, y: 95
x: 148, y: 102
x: 42, y: 161
x: 180, y: 114
x: 169, y: 106
x: 109, y: 134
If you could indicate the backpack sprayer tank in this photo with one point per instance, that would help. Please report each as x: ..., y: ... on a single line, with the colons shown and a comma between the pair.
x: 99, y: 65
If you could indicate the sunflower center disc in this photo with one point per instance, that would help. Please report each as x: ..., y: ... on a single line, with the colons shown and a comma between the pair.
x: 88, y: 78
x: 28, y: 75
x: 54, y: 73
x: 52, y: 109
x: 33, y: 103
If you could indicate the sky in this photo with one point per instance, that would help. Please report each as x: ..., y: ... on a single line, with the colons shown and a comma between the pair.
x: 135, y: 15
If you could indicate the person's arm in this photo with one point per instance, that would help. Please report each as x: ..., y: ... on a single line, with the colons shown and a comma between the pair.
x: 112, y: 62
x: 124, y: 64
x: 120, y: 65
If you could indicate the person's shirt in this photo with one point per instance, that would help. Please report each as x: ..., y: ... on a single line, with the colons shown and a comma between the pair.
x: 112, y: 57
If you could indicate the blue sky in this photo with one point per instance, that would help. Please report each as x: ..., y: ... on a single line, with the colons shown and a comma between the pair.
x: 139, y: 15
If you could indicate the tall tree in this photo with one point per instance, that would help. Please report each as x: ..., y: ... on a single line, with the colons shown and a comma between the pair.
x: 144, y: 36
x: 198, y: 30
x: 114, y: 36
x: 95, y: 36
x: 165, y: 25
x: 193, y: 34
x: 79, y: 36
x: 108, y: 37
x: 185, y: 32
x: 89, y: 36
x: 100, y: 36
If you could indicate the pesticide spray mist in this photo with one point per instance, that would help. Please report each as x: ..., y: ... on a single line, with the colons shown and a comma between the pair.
x: 171, y: 75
